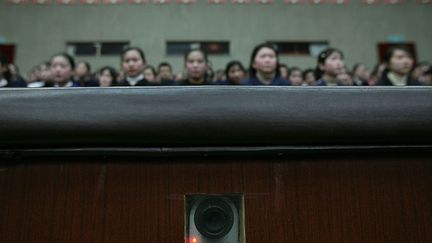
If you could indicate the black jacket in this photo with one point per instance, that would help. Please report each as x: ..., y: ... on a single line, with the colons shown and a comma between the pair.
x: 385, y: 81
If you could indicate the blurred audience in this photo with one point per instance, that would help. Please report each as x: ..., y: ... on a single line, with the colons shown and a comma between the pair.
x: 396, y: 69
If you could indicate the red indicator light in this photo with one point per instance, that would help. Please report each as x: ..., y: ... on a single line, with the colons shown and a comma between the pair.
x: 194, y: 240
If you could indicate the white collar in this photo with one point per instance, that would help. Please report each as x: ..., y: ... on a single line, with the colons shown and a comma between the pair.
x: 3, y: 82
x: 37, y: 84
x: 134, y: 81
x: 68, y: 84
x: 396, y: 79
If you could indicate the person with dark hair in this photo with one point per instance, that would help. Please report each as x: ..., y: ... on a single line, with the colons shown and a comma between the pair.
x: 360, y: 75
x: 133, y: 63
x: 234, y: 73
x: 283, y: 71
x: 419, y: 71
x: 33, y: 76
x: 295, y: 76
x: 83, y: 75
x: 428, y: 76
x: 309, y: 77
x: 376, y: 74
x: 4, y: 72
x: 107, y: 76
x: 399, y: 63
x: 196, y: 65
x: 220, y: 76
x: 7, y: 79
x: 330, y: 63
x: 210, y: 73
x: 43, y: 76
x: 15, y: 75
x: 344, y: 79
x: 264, y: 67
x: 62, y: 67
x: 150, y: 75
x: 165, y: 74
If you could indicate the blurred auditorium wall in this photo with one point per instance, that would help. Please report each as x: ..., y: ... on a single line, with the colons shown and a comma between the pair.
x: 38, y: 31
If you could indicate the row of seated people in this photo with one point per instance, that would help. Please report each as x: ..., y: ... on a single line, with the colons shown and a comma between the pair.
x: 264, y: 69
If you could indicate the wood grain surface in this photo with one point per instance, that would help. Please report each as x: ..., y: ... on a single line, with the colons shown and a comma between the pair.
x: 331, y: 199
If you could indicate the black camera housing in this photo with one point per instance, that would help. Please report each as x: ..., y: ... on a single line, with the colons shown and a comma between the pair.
x: 214, y: 218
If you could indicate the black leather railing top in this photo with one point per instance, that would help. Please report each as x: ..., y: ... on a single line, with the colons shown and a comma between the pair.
x: 215, y: 116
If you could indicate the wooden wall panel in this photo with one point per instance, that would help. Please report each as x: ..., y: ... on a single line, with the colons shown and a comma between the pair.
x: 331, y: 199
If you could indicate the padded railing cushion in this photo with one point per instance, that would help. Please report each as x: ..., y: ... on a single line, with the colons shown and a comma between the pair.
x: 215, y: 116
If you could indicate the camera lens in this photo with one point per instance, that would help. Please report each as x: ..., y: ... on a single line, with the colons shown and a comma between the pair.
x: 214, y: 218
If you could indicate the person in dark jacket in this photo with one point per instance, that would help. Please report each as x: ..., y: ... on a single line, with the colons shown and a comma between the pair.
x: 360, y: 75
x: 83, y: 75
x: 7, y: 79
x: 133, y: 63
x: 428, y: 77
x: 62, y: 67
x: 196, y: 65
x: 40, y: 76
x: 107, y: 76
x: 165, y: 74
x: 295, y: 76
x: 330, y: 64
x: 399, y: 63
x: 234, y: 73
x: 264, y: 67
x: 309, y: 77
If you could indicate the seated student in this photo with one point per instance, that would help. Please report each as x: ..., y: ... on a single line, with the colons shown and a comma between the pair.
x: 33, y: 76
x: 62, y: 68
x: 16, y: 75
x: 418, y: 72
x: 428, y: 76
x: 179, y: 77
x: 234, y: 72
x: 43, y: 76
x: 196, y: 65
x: 330, y: 63
x: 309, y: 77
x: 360, y: 75
x: 150, y: 75
x: 263, y: 68
x: 344, y: 79
x: 7, y: 78
x: 295, y: 76
x: 107, y: 76
x: 210, y: 73
x: 219, y: 76
x: 133, y: 63
x: 83, y: 75
x: 120, y: 75
x: 283, y: 71
x: 376, y: 74
x: 165, y: 74
x: 399, y: 63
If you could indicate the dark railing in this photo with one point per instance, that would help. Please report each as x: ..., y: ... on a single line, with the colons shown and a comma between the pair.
x: 214, y: 119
